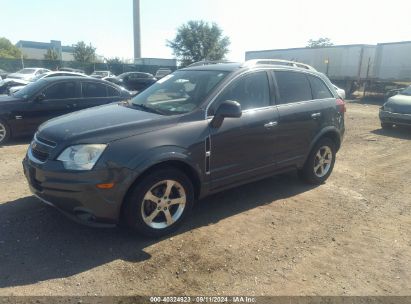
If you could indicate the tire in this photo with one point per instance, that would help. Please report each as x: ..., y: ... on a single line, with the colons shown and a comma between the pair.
x: 386, y: 125
x: 4, y: 132
x: 320, y: 162
x: 139, y: 210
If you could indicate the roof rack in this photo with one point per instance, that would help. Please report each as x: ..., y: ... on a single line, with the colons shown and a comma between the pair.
x: 253, y: 62
x: 208, y: 62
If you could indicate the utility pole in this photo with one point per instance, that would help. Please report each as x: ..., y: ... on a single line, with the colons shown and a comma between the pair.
x: 137, y: 30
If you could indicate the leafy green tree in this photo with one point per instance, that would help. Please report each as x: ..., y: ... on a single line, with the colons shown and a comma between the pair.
x: 115, y: 65
x: 197, y: 40
x: 51, y: 54
x: 84, y: 53
x: 8, y: 50
x: 320, y: 42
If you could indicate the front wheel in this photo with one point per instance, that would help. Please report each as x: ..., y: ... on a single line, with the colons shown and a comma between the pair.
x: 320, y: 162
x: 159, y: 203
x: 4, y: 132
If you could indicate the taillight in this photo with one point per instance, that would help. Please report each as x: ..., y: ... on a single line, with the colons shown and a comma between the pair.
x: 341, y: 105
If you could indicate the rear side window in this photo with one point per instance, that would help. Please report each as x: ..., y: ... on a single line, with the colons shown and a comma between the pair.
x: 250, y: 91
x: 292, y: 87
x: 92, y: 89
x: 112, y: 92
x: 319, y: 89
x: 61, y: 90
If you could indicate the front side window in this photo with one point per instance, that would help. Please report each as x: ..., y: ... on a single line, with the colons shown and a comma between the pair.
x: 61, y: 90
x: 111, y: 92
x: 319, y: 89
x: 180, y: 92
x: 92, y: 90
x: 250, y: 91
x: 292, y: 87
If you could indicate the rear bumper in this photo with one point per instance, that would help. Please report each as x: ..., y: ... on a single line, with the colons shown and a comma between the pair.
x: 395, y: 118
x: 76, y: 194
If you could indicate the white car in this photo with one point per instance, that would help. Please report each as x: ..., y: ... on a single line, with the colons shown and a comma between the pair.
x: 340, y: 92
x: 27, y: 74
x: 14, y: 89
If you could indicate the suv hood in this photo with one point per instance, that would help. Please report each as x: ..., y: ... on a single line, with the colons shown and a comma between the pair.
x: 102, y: 124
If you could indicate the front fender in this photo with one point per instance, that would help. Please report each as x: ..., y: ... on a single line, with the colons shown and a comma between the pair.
x: 158, y: 155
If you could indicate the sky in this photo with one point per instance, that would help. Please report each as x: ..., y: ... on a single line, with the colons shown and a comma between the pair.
x: 250, y: 25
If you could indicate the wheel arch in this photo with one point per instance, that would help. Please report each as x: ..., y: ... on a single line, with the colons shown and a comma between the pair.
x: 178, y: 164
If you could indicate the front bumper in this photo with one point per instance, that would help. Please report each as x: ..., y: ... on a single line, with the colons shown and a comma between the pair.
x: 76, y: 194
x: 395, y: 118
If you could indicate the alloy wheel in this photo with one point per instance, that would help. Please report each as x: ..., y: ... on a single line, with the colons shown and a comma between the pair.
x: 163, y: 204
x: 322, y: 161
x: 3, y: 132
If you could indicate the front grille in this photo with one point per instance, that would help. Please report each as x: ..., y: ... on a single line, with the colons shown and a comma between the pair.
x: 45, y: 141
x: 40, y: 155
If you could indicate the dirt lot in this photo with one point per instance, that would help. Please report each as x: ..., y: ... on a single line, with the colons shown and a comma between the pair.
x: 349, y: 236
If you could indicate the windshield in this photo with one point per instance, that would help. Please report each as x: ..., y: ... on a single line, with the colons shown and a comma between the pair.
x: 26, y: 71
x: 180, y: 92
x: 407, y: 91
x: 38, y: 77
x: 29, y: 90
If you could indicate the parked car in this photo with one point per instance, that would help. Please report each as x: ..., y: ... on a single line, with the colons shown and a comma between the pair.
x: 3, y: 74
x: 102, y: 74
x: 397, y: 110
x: 1, y: 81
x: 14, y: 89
x: 162, y: 72
x: 198, y: 131
x: 22, y: 112
x: 72, y: 70
x: 133, y: 81
x: 27, y: 74
x: 339, y: 91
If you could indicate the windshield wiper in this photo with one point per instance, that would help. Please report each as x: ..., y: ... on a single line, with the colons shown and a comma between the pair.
x: 148, y: 109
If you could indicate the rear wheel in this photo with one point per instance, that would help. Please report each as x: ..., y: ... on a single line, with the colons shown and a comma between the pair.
x: 159, y: 203
x: 4, y: 132
x: 320, y: 162
x: 386, y: 125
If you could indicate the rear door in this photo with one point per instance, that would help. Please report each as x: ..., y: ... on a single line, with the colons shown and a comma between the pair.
x: 244, y: 147
x: 301, y: 116
x: 96, y: 94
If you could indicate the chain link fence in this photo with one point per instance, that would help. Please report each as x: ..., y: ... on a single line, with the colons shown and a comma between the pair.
x: 13, y: 65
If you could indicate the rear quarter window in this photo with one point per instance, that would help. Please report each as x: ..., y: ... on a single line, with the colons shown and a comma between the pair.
x: 319, y: 88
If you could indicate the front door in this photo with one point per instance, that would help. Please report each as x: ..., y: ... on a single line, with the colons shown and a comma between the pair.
x: 244, y: 147
x: 57, y: 99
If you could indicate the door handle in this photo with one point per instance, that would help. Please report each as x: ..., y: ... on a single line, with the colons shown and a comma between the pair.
x: 316, y: 115
x: 271, y: 124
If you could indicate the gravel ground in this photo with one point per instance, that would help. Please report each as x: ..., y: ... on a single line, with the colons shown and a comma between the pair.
x: 350, y: 236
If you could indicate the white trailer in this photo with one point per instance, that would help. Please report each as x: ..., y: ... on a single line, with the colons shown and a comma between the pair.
x: 350, y: 66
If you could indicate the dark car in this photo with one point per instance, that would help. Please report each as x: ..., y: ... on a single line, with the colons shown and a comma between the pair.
x: 197, y: 131
x: 22, y: 112
x: 397, y: 110
x: 133, y: 81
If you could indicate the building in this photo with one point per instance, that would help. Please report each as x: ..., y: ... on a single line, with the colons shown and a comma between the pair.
x: 37, y: 50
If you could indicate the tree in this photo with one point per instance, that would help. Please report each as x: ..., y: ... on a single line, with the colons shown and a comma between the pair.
x: 84, y: 53
x: 320, y: 42
x: 51, y: 54
x: 115, y: 60
x: 115, y: 65
x: 8, y: 50
x: 197, y: 40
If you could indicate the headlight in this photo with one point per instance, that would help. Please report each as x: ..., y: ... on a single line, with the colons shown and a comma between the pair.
x: 81, y: 157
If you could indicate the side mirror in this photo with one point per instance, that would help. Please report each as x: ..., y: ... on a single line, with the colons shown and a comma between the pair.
x: 40, y: 97
x: 229, y: 109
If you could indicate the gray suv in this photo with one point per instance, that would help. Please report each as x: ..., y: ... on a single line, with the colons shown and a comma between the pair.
x: 195, y: 132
